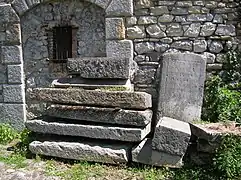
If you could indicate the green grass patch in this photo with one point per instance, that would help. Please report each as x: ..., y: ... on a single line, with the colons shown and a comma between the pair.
x: 15, y: 160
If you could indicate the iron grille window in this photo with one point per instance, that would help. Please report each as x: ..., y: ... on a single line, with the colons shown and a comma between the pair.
x: 62, y: 43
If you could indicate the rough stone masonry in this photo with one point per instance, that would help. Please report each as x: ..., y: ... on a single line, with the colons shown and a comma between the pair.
x: 162, y: 47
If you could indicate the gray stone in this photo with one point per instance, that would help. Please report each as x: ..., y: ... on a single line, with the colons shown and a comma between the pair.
x: 216, y: 66
x: 15, y: 74
x: 182, y: 45
x: 171, y: 136
x: 184, y: 3
x: 11, y: 54
x: 143, y: 153
x: 147, y: 20
x: 160, y: 47
x: 84, y: 151
x: 13, y: 34
x: 155, y: 31
x: 201, y: 132
x: 20, y: 6
x: 145, y: 75
x: 226, y: 30
x: 216, y: 47
x: 208, y: 29
x: 115, y: 28
x: 144, y: 47
x: 159, y: 10
x: 7, y: 14
x: 197, y: 17
x: 218, y: 19
x: 193, y: 30
x: 181, y: 87
x: 100, y: 67
x: 13, y: 93
x: 93, y: 84
x: 136, y: 32
x: 210, y: 57
x: 120, y: 49
x: 120, y: 8
x: 179, y: 11
x: 130, y: 21
x: 102, y: 3
x: 199, y: 45
x: 140, y: 4
x: 102, y: 115
x: 165, y: 18
x: 121, y: 99
x: 13, y: 114
x: 90, y: 131
x: 174, y: 29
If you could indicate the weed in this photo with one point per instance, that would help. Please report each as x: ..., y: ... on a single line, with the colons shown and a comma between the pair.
x: 16, y: 160
x: 7, y: 134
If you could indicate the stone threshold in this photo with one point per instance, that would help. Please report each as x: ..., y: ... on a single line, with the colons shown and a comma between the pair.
x: 90, y: 131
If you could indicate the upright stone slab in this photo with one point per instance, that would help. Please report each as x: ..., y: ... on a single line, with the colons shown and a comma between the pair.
x: 182, y: 85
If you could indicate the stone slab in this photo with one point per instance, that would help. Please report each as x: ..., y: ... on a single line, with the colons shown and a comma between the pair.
x: 182, y: 85
x: 90, y: 131
x: 171, y: 136
x: 13, y: 93
x: 119, y: 48
x: 93, y: 83
x: 100, y: 67
x: 101, y: 115
x: 115, y: 28
x: 143, y: 153
x: 98, y: 152
x: 121, y: 99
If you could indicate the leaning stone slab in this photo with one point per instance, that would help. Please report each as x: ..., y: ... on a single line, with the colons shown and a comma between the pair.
x: 171, y: 136
x: 143, y: 153
x: 90, y: 131
x: 121, y: 99
x: 182, y: 85
x: 101, y: 115
x: 95, y: 152
x: 100, y: 67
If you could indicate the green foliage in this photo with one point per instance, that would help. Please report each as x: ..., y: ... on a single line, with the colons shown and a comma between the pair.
x: 227, y: 160
x: 220, y: 102
x: 7, y: 133
x: 16, y: 160
x: 222, y: 96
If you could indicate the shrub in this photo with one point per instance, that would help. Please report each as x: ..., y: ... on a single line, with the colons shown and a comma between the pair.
x: 227, y: 160
x: 7, y: 133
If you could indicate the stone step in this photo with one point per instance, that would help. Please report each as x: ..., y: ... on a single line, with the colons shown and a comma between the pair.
x: 101, y: 115
x: 121, y: 99
x: 100, y: 67
x: 93, y: 152
x: 90, y: 131
x: 93, y: 84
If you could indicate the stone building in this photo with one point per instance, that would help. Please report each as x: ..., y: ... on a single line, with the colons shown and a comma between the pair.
x: 36, y: 37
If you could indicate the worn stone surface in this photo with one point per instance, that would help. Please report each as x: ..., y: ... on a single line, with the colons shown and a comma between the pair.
x: 100, y: 68
x: 181, y: 87
x: 89, y: 131
x: 8, y: 14
x: 13, y: 114
x: 119, y: 49
x: 15, y: 74
x: 171, y: 136
x: 115, y: 28
x: 136, y: 32
x: 11, y: 54
x: 101, y: 115
x: 121, y: 99
x: 13, y: 93
x: 95, y: 152
x: 120, y: 8
x: 143, y: 153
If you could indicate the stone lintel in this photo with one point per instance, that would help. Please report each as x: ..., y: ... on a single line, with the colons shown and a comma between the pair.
x: 89, y: 131
x: 101, y: 115
x: 120, y: 99
x: 86, y: 151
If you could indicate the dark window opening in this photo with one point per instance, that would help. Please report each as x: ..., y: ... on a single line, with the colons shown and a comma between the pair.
x: 62, y: 43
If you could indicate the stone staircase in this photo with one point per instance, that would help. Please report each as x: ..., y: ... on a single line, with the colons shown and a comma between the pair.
x: 94, y: 115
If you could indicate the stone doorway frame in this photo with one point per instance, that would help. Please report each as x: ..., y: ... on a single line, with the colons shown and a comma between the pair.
x: 13, y: 89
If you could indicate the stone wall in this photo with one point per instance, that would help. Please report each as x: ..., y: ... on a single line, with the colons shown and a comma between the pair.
x: 204, y: 27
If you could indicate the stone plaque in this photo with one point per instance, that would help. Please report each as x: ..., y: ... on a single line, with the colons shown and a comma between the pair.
x: 181, y: 86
